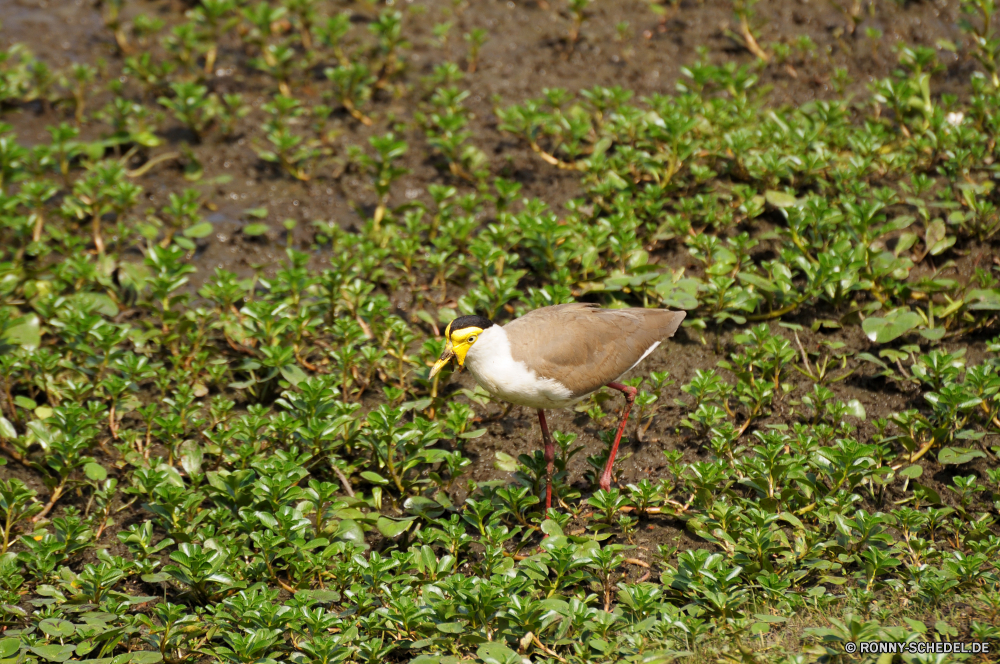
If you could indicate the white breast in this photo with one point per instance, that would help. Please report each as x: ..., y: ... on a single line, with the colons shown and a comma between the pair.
x: 491, y: 364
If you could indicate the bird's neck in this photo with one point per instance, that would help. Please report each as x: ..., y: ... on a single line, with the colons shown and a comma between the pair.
x: 492, y: 345
x: 491, y: 363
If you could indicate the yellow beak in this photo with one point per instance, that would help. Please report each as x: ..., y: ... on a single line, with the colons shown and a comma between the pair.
x: 446, y: 356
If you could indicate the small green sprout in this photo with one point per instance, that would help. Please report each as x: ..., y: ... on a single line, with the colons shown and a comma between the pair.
x: 331, y: 34
x: 78, y: 82
x: 475, y: 39
x: 441, y: 31
x: 383, y: 170
x: 192, y: 106
x: 304, y: 14
x: 978, y: 19
x: 352, y: 88
x: 111, y: 15
x: 214, y: 18
x: 17, y: 504
x: 578, y: 9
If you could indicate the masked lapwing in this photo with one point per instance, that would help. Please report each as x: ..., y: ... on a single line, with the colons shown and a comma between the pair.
x: 555, y: 356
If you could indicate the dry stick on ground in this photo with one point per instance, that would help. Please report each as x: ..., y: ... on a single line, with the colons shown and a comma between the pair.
x: 543, y: 648
x: 751, y: 42
x: 355, y: 113
x: 659, y: 510
x: 56, y: 494
x: 308, y: 365
x: 924, y: 449
x: 344, y: 482
x: 552, y: 160
x: 142, y: 170
x: 14, y: 454
x: 275, y: 577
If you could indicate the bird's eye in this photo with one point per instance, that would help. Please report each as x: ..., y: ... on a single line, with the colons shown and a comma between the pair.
x: 472, y: 338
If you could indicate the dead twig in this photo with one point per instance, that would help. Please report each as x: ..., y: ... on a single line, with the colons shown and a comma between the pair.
x: 344, y: 482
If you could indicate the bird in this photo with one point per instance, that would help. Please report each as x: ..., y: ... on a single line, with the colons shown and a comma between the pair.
x: 553, y: 357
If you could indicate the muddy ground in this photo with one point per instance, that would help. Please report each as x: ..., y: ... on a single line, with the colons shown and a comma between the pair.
x: 527, y: 51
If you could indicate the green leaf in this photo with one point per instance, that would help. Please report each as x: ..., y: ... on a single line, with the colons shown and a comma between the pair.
x: 450, y: 627
x: 95, y: 472
x: 926, y: 494
x: 911, y: 472
x: 936, y: 238
x: 759, y: 282
x: 146, y: 138
x: 601, y: 146
x: 199, y: 231
x: 255, y: 229
x: 780, y: 199
x: 665, y: 656
x: 193, y: 170
x: 680, y: 294
x: 497, y: 653
x: 392, y: 528
x: 505, y: 462
x: 319, y: 596
x: 9, y: 646
x: 768, y: 618
x: 145, y: 657
x: 983, y: 299
x: 855, y: 409
x: 868, y: 357
x: 57, y: 628
x: 374, y: 478
x: 293, y: 374
x: 894, y: 325
x: 424, y: 507
x: 54, y: 653
x: 24, y: 331
x: 7, y: 430
x: 192, y: 456
x: 897, y: 224
x: 550, y: 527
x: 941, y: 627
x: 616, y: 181
x: 905, y: 241
x: 349, y: 531
x: 259, y: 212
x: 958, y: 455
x: 98, y: 303
x: 25, y: 402
x: 470, y: 435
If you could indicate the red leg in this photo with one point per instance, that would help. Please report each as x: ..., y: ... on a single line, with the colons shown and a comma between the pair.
x: 550, y: 457
x: 630, y: 392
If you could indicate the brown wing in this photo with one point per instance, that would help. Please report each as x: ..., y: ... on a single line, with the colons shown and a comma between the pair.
x: 583, y: 346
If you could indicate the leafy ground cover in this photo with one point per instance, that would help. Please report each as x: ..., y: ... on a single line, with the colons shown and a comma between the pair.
x: 232, y: 232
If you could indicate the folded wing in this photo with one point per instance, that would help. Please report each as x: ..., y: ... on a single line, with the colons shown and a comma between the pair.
x: 583, y: 346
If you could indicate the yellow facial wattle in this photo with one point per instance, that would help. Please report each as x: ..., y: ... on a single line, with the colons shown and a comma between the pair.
x: 458, y: 346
